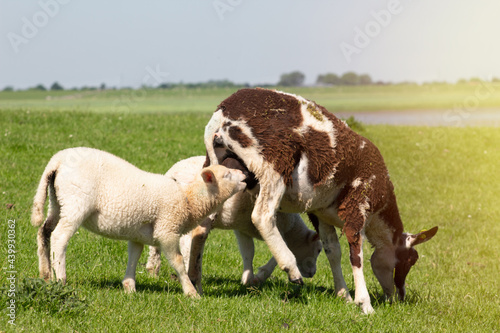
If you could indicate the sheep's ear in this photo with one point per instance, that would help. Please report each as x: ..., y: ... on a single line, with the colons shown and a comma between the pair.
x: 314, y: 237
x: 423, y: 236
x: 208, y: 176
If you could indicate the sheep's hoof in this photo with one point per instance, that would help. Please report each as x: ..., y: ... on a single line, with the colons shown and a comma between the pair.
x: 298, y: 281
x: 249, y: 279
x: 129, y: 286
x: 194, y: 295
x: 366, y: 308
x: 344, y: 293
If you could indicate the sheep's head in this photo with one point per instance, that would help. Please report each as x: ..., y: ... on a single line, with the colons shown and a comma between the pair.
x: 407, y: 256
x: 223, y: 181
x: 392, y: 266
x: 306, y: 253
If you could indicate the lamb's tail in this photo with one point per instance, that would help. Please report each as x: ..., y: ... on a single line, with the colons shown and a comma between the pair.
x: 48, y: 176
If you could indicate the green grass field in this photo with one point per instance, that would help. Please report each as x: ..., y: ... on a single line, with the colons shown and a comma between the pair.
x: 336, y: 98
x: 443, y: 176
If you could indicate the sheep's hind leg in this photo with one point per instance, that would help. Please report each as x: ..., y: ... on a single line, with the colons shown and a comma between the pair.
x: 134, y: 253
x: 170, y: 247
x: 43, y: 240
x: 154, y: 261
x: 247, y: 250
x: 44, y: 234
x: 59, y: 239
x: 333, y: 252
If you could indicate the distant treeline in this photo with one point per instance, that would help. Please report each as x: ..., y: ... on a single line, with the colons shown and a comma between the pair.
x: 292, y: 79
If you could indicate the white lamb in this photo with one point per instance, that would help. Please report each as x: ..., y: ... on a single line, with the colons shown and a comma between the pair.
x: 236, y: 215
x: 113, y: 198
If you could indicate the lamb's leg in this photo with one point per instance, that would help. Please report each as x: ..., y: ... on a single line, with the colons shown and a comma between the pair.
x: 134, y: 253
x: 43, y: 240
x: 199, y: 237
x: 266, y: 270
x: 247, y: 250
x: 331, y: 245
x: 264, y: 219
x: 44, y: 234
x: 59, y: 239
x: 170, y: 247
x: 154, y: 261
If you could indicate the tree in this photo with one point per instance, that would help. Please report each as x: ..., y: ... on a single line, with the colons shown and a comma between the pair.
x: 349, y: 78
x: 365, y: 79
x: 292, y: 79
x: 8, y: 88
x: 56, y: 86
x: 39, y: 87
x: 329, y: 79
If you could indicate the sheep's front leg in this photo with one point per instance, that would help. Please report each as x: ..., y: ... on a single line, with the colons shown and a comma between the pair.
x: 353, y: 210
x: 264, y: 219
x: 247, y: 250
x: 199, y: 236
x: 361, y: 296
x: 134, y: 253
x: 170, y: 247
x: 331, y: 245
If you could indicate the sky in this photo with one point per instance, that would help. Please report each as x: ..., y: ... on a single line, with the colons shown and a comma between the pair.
x: 132, y: 43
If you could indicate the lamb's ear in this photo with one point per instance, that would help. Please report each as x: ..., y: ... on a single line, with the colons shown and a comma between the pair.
x: 423, y: 236
x: 208, y: 176
x: 314, y: 237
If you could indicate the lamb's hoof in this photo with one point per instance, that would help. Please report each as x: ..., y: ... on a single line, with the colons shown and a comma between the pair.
x: 194, y: 295
x: 250, y: 280
x: 129, y: 286
x: 344, y: 293
x: 298, y: 281
x: 366, y: 308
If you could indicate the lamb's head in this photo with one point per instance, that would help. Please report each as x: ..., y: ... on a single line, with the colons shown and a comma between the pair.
x: 222, y: 181
x: 306, y: 253
x: 391, y: 269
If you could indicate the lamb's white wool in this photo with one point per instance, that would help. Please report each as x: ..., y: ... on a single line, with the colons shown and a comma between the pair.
x: 235, y: 215
x: 113, y: 198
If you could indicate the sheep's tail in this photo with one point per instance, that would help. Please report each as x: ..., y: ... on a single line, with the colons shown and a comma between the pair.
x: 48, y: 176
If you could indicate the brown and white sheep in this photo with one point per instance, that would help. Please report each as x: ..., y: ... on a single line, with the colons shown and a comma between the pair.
x: 307, y: 160
x: 235, y: 215
x: 111, y: 197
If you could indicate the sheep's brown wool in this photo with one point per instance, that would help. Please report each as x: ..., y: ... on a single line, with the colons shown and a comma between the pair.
x: 306, y: 159
x: 275, y: 118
